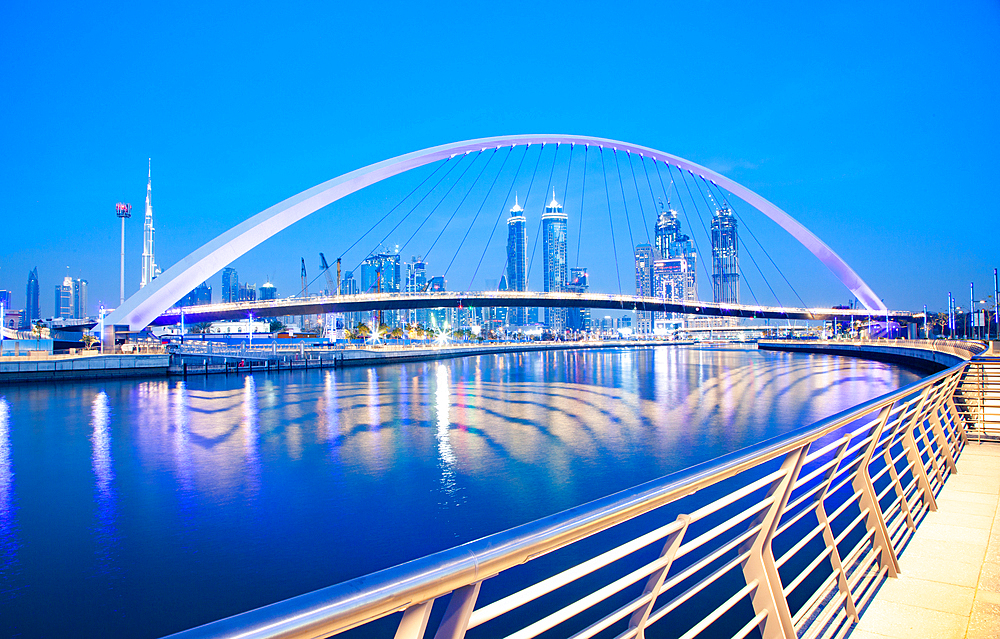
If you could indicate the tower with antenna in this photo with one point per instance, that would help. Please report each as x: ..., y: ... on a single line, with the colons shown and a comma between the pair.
x: 148, y: 261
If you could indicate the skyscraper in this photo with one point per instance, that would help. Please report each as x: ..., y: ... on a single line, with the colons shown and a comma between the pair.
x: 673, y: 272
x: 269, y: 291
x: 32, y: 312
x: 645, y: 255
x: 517, y: 259
x: 578, y: 319
x: 349, y: 286
x: 554, y: 223
x: 230, y: 285
x: 149, y: 270
x: 201, y: 294
x: 439, y: 318
x: 416, y: 282
x: 71, y: 299
x: 725, y: 260
x: 380, y: 274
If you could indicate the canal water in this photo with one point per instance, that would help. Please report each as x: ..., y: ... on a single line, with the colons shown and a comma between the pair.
x: 141, y: 508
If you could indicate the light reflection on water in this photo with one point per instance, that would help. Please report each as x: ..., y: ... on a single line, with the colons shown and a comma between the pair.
x: 442, y: 405
x: 8, y: 539
x: 217, y: 494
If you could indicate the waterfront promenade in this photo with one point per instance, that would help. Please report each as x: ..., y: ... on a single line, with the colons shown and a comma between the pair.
x: 949, y: 581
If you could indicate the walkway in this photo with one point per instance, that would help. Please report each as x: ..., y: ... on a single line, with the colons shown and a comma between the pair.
x: 949, y: 583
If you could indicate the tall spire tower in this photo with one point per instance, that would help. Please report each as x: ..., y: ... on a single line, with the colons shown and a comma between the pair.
x: 148, y: 263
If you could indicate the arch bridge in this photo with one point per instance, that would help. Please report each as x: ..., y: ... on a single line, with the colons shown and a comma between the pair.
x: 152, y: 301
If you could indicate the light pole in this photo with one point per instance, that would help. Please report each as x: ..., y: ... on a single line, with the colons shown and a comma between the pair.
x: 251, y: 330
x: 951, y: 317
x: 996, y: 303
x: 972, y: 309
x: 123, y: 211
x: 102, y: 328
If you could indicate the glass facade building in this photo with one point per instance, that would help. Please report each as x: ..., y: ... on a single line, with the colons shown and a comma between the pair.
x: 554, y: 224
x: 725, y: 258
x: 517, y: 259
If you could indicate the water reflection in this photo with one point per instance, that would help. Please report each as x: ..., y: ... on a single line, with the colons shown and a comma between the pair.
x: 8, y: 541
x: 230, y: 484
x: 100, y: 439
x: 249, y: 425
x: 180, y: 410
x: 446, y: 455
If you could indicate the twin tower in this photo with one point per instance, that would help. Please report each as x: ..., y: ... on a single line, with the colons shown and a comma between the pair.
x: 555, y: 266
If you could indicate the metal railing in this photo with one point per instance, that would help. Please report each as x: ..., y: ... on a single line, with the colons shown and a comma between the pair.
x: 789, y: 538
x: 978, y: 398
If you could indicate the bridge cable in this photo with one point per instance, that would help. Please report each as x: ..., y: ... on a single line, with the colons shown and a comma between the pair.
x: 740, y: 270
x: 583, y: 200
x: 611, y: 221
x: 429, y: 176
x: 413, y: 208
x: 642, y: 211
x: 468, y: 192
x: 569, y: 168
x: 538, y: 232
x: 687, y: 220
x: 441, y: 201
x: 744, y: 244
x: 503, y: 207
x: 483, y: 204
x: 621, y: 185
x: 722, y: 192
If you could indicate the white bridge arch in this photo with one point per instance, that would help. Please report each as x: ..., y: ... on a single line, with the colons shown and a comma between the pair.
x: 143, y: 307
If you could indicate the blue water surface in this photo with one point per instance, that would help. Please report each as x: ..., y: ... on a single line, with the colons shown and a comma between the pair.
x: 141, y: 508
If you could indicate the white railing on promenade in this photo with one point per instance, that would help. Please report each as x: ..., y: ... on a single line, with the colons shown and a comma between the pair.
x: 789, y: 538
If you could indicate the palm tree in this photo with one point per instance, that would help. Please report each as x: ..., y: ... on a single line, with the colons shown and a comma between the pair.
x: 362, y: 330
x: 88, y: 340
x: 201, y: 327
x: 396, y: 333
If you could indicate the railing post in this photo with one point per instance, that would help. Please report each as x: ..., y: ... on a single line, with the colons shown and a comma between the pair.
x: 456, y: 617
x: 874, y: 521
x: 940, y: 436
x: 917, y: 466
x: 414, y: 621
x: 655, y: 581
x: 829, y: 538
x: 769, y: 596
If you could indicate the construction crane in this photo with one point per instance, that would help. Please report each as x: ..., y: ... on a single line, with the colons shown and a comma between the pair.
x: 331, y: 288
x: 305, y: 284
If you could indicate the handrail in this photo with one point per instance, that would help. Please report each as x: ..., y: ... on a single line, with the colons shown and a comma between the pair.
x: 927, y: 415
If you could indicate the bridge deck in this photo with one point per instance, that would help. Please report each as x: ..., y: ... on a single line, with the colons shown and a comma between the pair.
x: 949, y: 582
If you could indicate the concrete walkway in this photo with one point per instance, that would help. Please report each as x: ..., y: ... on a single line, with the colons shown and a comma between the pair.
x: 949, y: 582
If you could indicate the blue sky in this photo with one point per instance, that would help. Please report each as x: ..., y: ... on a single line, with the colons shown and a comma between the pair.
x: 873, y: 124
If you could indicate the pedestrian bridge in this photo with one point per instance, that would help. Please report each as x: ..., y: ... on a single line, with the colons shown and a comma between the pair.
x: 797, y: 536
x: 389, y: 301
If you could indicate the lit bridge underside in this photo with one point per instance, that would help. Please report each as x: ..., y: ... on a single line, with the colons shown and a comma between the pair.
x: 394, y: 301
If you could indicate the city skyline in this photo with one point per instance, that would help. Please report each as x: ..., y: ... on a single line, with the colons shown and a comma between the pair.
x: 813, y: 134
